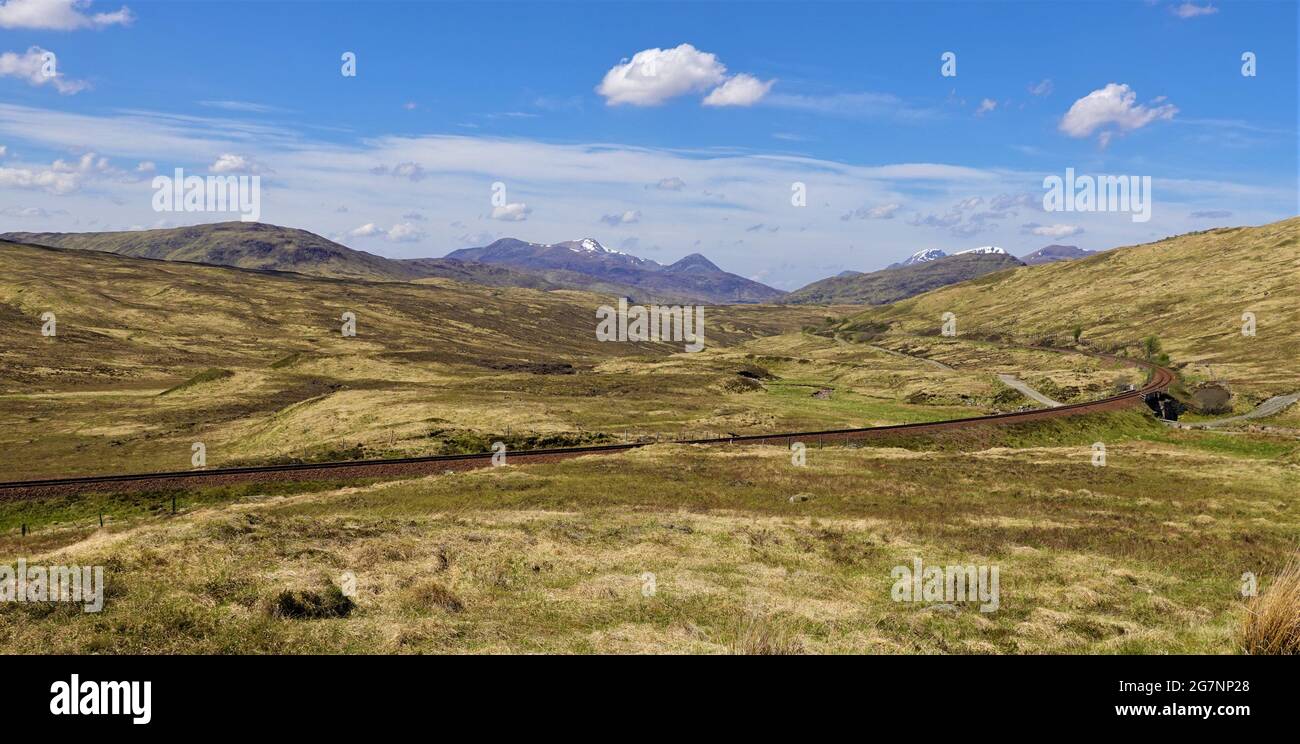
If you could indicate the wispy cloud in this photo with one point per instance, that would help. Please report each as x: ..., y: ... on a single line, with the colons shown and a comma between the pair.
x: 862, y: 105
x: 1192, y: 10
x: 241, y: 106
x: 707, y: 201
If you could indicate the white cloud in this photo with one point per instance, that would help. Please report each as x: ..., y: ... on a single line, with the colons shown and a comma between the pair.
x: 61, y: 177
x: 146, y: 166
x: 3, y: 151
x: 513, y: 212
x: 629, y: 217
x: 399, y: 233
x: 410, y: 170
x: 88, y: 163
x: 24, y: 178
x: 1052, y: 231
x: 862, y: 105
x: 671, y: 184
x: 741, y: 90
x: 1192, y: 10
x: 1115, y: 105
x: 37, y: 67
x: 986, y: 105
x: 405, y: 232
x: 653, y: 76
x: 402, y: 232
x: 58, y: 15
x: 231, y: 163
x: 1041, y: 88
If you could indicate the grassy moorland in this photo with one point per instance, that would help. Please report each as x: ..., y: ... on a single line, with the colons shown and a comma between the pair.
x: 1143, y: 555
x: 1189, y: 291
x: 151, y: 356
x: 669, y: 548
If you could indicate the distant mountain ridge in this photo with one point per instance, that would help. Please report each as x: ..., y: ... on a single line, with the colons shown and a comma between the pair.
x: 576, y: 264
x: 934, y: 254
x: 899, y: 282
x: 922, y: 256
x: 694, y: 278
x: 248, y: 245
x: 1053, y: 253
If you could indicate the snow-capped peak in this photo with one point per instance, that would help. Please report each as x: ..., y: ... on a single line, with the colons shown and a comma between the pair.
x: 588, y: 245
x: 986, y: 249
x: 929, y: 254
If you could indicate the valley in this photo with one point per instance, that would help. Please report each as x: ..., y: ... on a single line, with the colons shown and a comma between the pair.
x: 749, y: 552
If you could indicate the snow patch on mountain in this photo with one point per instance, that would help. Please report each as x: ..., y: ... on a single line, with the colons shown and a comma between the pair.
x: 930, y: 254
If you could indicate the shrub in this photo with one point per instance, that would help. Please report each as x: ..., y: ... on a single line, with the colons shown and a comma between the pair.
x: 305, y: 604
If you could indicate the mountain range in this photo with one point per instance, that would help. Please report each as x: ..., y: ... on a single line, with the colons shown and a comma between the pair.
x: 579, y: 264
x: 691, y: 278
x: 583, y: 264
x: 921, y: 272
x: 934, y: 254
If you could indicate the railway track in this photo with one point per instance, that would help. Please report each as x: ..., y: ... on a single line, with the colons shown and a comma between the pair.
x: 1161, y: 378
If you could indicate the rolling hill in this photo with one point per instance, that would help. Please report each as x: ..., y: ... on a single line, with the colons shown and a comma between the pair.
x: 247, y: 245
x: 253, y: 245
x: 902, y: 281
x: 1190, y: 292
x: 150, y: 356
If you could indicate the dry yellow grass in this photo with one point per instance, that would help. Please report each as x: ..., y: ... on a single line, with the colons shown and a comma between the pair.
x: 1272, y: 622
x: 1142, y: 556
x: 1190, y: 291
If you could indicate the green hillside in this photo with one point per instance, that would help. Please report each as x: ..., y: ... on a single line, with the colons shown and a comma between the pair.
x: 1189, y: 292
x: 891, y: 285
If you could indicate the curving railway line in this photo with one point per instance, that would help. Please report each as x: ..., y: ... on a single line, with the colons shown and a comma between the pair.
x: 1161, y: 378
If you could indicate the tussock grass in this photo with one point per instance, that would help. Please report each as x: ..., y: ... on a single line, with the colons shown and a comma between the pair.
x: 1141, y: 556
x: 760, y: 635
x: 1272, y: 622
x: 432, y: 596
x: 308, y: 604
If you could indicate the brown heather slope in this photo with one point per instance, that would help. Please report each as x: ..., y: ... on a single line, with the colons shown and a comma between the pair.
x: 1189, y: 291
x: 125, y: 318
x: 151, y: 356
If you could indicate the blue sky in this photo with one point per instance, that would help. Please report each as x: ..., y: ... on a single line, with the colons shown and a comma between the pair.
x: 845, y: 98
